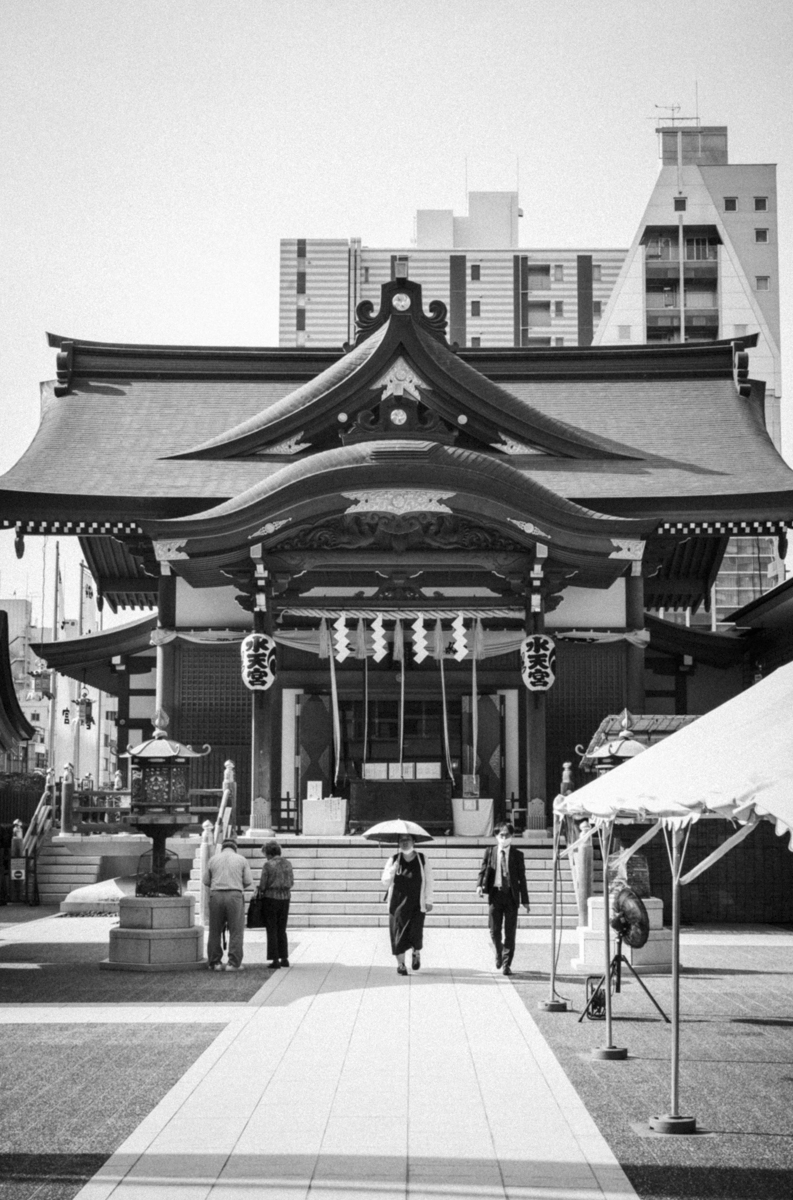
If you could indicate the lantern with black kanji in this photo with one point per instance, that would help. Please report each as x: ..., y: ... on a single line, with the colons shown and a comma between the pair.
x: 538, y: 662
x: 258, y: 661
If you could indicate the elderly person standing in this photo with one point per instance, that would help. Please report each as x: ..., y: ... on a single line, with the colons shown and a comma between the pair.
x: 228, y: 877
x: 275, y: 885
x: 408, y: 877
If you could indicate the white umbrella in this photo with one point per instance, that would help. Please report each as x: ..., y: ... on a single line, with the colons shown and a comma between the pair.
x: 392, y: 831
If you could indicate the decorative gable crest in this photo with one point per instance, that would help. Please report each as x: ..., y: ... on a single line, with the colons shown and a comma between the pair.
x: 399, y: 380
x: 400, y: 301
x: 401, y: 411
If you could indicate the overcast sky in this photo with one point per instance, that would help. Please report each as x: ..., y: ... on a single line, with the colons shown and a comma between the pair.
x: 155, y: 151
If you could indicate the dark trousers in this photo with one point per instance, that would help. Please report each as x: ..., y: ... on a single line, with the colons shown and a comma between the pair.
x: 503, y: 911
x: 276, y: 913
x: 226, y: 908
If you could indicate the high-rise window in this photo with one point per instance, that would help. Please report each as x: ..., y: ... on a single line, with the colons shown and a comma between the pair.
x: 399, y: 266
x: 558, y: 308
x: 701, y: 248
x: 596, y: 273
x: 476, y: 342
x: 558, y: 273
x: 761, y: 204
x: 366, y: 274
x: 730, y: 203
x: 762, y: 282
x: 476, y: 272
x: 597, y: 308
x: 558, y: 341
x: 680, y: 203
x: 761, y: 236
x: 476, y: 308
x: 301, y: 318
x: 539, y: 277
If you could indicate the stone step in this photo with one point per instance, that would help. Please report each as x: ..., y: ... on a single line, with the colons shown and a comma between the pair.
x: 433, y: 919
x: 339, y: 884
x: 350, y: 883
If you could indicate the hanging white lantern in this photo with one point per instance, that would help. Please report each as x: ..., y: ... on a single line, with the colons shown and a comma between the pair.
x: 538, y: 662
x: 258, y: 661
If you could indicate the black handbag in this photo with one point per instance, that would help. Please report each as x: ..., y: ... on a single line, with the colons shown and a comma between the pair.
x: 256, y: 913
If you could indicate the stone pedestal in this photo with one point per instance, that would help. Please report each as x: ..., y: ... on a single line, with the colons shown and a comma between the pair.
x: 654, y: 958
x: 157, y: 934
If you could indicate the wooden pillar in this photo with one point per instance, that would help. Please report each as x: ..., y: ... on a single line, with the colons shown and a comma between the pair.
x: 166, y: 620
x: 535, y: 721
x: 264, y: 707
x: 121, y: 665
x: 634, y: 620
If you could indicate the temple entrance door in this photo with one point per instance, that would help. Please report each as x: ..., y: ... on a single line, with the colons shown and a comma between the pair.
x: 315, y: 742
x: 490, y: 764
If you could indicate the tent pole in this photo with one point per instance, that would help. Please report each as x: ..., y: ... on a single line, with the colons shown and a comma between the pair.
x: 554, y: 1003
x: 672, y: 1122
x: 609, y: 1051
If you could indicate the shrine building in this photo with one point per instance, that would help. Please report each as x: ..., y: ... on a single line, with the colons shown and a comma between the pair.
x: 402, y: 573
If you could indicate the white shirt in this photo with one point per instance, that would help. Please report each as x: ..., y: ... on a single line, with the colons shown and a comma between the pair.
x: 501, y: 849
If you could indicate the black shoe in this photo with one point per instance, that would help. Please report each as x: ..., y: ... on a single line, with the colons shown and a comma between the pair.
x: 416, y: 961
x: 506, y: 969
x: 274, y: 965
x: 499, y: 960
x: 284, y: 962
x: 402, y: 970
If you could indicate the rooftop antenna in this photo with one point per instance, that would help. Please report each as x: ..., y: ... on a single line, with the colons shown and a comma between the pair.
x: 673, y: 110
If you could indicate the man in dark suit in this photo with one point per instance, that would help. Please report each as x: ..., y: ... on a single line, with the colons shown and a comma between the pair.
x: 502, y: 878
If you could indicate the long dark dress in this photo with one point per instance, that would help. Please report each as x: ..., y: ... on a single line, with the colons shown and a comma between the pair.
x: 406, y: 920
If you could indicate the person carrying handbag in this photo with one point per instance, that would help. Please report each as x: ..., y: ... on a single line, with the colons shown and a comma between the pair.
x: 275, y: 887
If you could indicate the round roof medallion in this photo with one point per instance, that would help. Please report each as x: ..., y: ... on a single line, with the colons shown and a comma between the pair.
x: 462, y: 419
x: 342, y: 417
x: 398, y: 416
x: 401, y: 302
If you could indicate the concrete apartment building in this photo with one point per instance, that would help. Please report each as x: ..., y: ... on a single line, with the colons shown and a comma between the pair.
x: 705, y: 254
x: 496, y: 294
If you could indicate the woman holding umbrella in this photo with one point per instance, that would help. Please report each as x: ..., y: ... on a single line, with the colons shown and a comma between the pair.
x: 408, y: 877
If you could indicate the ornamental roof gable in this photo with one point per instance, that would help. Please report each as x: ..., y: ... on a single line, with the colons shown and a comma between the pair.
x: 403, y: 380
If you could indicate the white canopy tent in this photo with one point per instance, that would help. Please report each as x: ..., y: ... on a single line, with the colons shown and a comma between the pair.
x: 734, y: 762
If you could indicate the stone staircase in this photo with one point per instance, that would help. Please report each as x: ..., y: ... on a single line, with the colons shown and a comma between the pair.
x: 337, y: 881
x: 59, y: 871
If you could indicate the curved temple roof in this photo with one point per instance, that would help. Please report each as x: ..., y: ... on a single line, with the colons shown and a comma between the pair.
x: 460, y: 480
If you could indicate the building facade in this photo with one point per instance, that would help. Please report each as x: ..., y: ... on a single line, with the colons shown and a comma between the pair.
x: 705, y: 257
x: 496, y: 294
x: 444, y: 557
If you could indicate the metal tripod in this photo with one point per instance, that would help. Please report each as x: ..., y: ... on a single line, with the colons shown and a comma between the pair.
x: 615, y: 982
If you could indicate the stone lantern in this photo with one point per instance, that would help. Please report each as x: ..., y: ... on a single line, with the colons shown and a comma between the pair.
x: 157, y: 930
x: 160, y: 800
x: 616, y: 750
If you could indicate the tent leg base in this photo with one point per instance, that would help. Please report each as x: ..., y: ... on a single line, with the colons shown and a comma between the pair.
x: 610, y: 1052
x: 553, y: 1006
x: 670, y: 1124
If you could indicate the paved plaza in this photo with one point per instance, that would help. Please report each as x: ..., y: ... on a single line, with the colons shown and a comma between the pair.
x: 337, y: 1078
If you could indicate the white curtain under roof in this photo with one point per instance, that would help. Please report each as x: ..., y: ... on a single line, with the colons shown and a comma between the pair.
x: 735, y: 762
